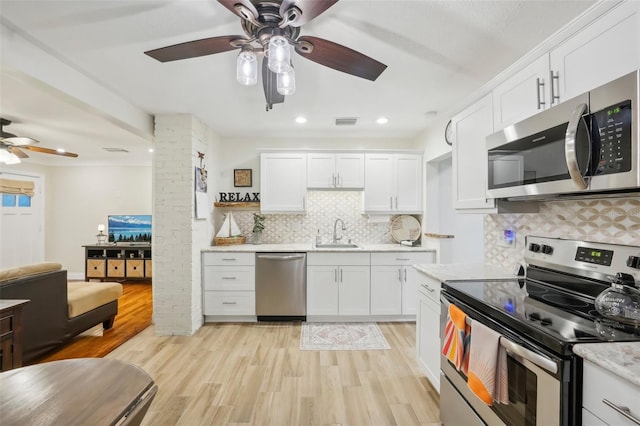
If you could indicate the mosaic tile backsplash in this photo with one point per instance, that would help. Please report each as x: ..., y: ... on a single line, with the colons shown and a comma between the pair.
x: 610, y: 220
x: 323, y: 208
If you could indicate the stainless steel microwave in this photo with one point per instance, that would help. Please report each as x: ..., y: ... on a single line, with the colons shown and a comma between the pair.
x: 587, y: 145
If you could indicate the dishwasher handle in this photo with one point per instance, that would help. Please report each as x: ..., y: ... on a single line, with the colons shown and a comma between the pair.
x: 283, y: 257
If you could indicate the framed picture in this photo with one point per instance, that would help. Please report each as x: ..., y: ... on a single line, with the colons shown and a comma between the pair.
x: 242, y: 177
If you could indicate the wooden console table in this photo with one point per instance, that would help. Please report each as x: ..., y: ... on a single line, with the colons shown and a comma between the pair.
x: 83, y: 391
x: 119, y: 262
x: 11, y: 333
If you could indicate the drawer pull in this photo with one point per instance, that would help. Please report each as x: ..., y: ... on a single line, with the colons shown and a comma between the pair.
x: 404, y: 259
x: 229, y: 259
x: 625, y: 411
x: 228, y: 278
x: 229, y: 303
x: 429, y: 289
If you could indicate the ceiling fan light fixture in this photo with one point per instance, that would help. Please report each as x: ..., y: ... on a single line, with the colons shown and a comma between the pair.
x: 9, y: 158
x: 286, y: 82
x: 247, y: 67
x: 279, y: 54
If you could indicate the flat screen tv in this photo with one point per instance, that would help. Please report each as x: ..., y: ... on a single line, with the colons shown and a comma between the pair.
x: 133, y: 228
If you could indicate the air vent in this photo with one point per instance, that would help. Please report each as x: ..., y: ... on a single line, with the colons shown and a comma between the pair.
x: 115, y: 149
x: 346, y: 121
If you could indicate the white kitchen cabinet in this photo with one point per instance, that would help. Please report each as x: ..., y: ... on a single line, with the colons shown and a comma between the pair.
x: 393, y: 183
x: 343, y: 170
x: 228, y: 284
x: 338, y: 284
x: 606, y: 49
x: 283, y: 182
x: 428, y: 329
x: 469, y: 155
x: 394, y: 282
x: 600, y: 385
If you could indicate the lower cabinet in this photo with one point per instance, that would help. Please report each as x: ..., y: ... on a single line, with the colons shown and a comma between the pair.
x: 228, y: 281
x: 118, y: 262
x: 428, y: 329
x: 338, y: 284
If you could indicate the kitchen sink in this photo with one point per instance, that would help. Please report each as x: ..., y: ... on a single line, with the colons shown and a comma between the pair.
x: 337, y: 246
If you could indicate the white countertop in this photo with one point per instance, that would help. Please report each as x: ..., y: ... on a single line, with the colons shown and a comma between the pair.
x: 309, y: 247
x: 620, y: 358
x: 464, y: 271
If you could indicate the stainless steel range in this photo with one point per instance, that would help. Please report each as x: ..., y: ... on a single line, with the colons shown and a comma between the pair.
x: 539, y: 319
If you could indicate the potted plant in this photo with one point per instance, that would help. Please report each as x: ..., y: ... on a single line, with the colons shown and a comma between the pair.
x: 258, y: 227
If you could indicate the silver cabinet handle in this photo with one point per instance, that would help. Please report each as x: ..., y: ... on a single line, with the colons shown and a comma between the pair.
x: 540, y: 85
x: 396, y: 203
x: 304, y: 203
x: 625, y: 411
x: 335, y: 275
x: 426, y: 287
x: 400, y: 274
x: 570, y: 146
x: 229, y: 259
x: 405, y: 275
x: 555, y: 77
x: 402, y: 259
x: 333, y: 179
x: 338, y: 180
x: 390, y: 203
x: 228, y: 278
x: 340, y: 274
x: 229, y: 303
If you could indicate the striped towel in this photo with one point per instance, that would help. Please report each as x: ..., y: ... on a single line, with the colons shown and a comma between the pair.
x: 487, y: 374
x: 456, y: 338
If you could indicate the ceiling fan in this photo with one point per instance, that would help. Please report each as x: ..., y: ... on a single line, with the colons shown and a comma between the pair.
x: 12, y: 147
x: 265, y: 22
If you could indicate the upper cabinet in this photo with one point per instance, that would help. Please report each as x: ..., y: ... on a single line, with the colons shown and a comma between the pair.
x: 344, y: 170
x: 393, y: 183
x: 283, y: 182
x: 469, y: 155
x: 606, y: 49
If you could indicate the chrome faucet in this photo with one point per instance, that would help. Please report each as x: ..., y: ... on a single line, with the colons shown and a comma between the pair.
x: 335, y: 231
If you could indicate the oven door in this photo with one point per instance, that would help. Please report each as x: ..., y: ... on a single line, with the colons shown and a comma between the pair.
x: 534, y: 387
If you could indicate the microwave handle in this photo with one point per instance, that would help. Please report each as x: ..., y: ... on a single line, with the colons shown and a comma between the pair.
x: 570, y: 144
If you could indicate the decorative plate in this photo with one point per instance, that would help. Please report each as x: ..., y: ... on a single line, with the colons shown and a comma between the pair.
x: 405, y: 227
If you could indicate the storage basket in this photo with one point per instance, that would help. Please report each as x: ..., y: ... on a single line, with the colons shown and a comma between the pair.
x: 229, y: 241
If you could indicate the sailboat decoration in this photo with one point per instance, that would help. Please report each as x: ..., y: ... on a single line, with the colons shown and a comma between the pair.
x: 229, y: 233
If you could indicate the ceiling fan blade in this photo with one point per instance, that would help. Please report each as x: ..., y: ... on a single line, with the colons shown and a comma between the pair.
x: 341, y: 58
x: 17, y: 151
x: 19, y: 140
x: 309, y: 9
x: 193, y: 49
x: 231, y: 5
x: 270, y: 86
x: 49, y: 151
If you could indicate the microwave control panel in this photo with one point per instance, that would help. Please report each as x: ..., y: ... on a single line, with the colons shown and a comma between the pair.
x: 612, y: 129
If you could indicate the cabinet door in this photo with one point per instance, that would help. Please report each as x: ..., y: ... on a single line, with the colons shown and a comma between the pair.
x: 522, y: 95
x: 353, y: 294
x: 350, y: 170
x: 408, y: 171
x: 428, y: 340
x: 606, y: 49
x: 386, y: 290
x: 469, y: 155
x: 410, y: 278
x: 379, y: 183
x: 283, y: 182
x: 321, y: 170
x: 322, y: 290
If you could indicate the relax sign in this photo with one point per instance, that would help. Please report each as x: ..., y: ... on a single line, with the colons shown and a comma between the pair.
x: 238, y: 197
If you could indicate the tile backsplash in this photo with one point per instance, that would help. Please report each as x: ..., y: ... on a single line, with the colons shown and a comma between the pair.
x: 323, y: 208
x: 610, y: 220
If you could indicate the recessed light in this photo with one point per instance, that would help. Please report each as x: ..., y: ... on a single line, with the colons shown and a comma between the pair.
x: 150, y: 149
x: 382, y: 120
x: 301, y: 120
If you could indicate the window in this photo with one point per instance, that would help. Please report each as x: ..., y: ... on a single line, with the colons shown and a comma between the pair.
x: 13, y: 200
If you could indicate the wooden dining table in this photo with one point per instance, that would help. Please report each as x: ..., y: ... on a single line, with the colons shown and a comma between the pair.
x: 83, y: 391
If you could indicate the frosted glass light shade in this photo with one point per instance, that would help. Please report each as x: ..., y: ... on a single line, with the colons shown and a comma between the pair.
x: 279, y: 54
x: 247, y: 68
x: 7, y: 157
x: 286, y: 82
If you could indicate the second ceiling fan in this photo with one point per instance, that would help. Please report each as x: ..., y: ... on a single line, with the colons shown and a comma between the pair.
x: 270, y: 27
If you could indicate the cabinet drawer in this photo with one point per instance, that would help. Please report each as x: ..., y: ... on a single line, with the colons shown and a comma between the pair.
x: 135, y: 268
x: 96, y: 268
x: 229, y: 278
x: 342, y: 258
x: 115, y: 268
x: 229, y: 258
x: 401, y: 258
x: 229, y: 303
x: 598, y: 385
x: 429, y: 287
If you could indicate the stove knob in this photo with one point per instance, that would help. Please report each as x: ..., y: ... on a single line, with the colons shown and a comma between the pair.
x: 534, y: 247
x: 547, y: 249
x: 633, y: 262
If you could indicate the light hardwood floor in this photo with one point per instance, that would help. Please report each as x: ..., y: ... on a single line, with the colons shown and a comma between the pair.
x: 255, y: 374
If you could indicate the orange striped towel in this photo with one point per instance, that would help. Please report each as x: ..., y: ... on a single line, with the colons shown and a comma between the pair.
x: 487, y: 375
x: 453, y: 346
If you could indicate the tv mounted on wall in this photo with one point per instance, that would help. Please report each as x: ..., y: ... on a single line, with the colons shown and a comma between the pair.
x: 129, y: 228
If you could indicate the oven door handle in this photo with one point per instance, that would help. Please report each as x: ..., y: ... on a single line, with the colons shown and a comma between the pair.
x: 535, y: 358
x: 571, y: 146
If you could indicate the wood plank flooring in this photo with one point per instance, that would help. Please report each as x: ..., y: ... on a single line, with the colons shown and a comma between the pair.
x: 255, y: 374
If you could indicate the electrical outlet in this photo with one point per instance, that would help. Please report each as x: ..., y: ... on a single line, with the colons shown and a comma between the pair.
x: 507, y: 238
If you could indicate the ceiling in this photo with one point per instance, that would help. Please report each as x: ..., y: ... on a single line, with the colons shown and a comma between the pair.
x: 437, y: 53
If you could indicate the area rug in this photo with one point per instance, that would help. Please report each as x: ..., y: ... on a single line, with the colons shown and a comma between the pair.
x: 342, y: 337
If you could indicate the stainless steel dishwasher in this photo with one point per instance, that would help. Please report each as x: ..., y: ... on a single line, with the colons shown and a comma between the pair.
x: 281, y: 286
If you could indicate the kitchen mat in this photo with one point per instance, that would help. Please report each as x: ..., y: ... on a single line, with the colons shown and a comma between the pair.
x: 342, y: 337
